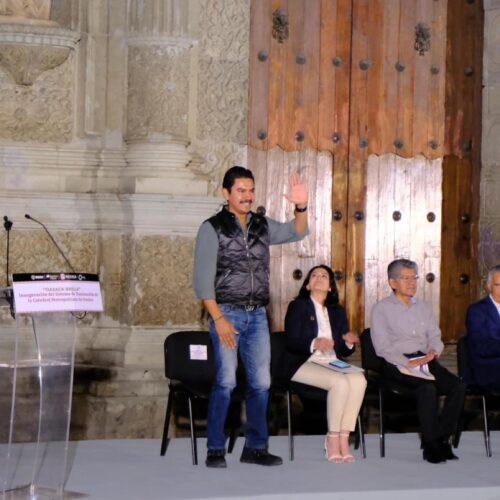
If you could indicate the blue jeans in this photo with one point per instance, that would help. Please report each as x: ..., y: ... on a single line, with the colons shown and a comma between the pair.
x: 255, y: 352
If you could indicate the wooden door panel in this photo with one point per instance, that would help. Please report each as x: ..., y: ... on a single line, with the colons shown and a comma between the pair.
x: 400, y: 195
x: 350, y: 81
x: 272, y: 169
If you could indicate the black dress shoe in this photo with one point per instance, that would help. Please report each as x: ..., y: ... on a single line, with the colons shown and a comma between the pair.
x: 447, y: 450
x: 216, y: 459
x: 259, y: 456
x: 433, y: 453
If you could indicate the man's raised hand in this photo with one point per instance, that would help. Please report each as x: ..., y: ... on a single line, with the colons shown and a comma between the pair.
x: 297, y: 190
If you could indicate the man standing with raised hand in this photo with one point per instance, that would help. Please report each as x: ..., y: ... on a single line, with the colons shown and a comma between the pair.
x: 231, y: 277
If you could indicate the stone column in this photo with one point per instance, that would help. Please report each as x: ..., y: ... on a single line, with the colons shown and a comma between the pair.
x: 159, y: 71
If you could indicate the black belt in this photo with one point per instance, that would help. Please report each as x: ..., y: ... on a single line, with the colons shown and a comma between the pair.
x: 248, y: 308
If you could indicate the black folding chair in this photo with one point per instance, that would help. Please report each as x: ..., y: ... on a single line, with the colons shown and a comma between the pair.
x: 279, y: 384
x: 190, y: 368
x: 474, y: 391
x: 373, y: 366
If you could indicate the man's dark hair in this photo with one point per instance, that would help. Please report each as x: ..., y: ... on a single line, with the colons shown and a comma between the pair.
x: 234, y: 173
x: 332, y: 297
x: 394, y: 268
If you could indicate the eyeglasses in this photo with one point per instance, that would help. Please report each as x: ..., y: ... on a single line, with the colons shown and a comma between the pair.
x: 409, y: 278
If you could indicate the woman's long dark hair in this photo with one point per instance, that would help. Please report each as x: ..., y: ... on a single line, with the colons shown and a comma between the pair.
x: 332, y: 298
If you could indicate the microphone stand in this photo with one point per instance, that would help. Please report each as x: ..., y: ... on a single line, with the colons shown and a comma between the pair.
x: 28, y: 216
x: 7, y: 224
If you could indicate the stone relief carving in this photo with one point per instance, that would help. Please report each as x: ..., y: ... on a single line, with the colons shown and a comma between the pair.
x: 42, y: 112
x: 223, y: 82
x: 26, y: 9
x: 223, y: 101
x: 212, y: 160
x: 157, y: 92
x: 163, y: 274
x: 26, y: 63
x: 225, y: 29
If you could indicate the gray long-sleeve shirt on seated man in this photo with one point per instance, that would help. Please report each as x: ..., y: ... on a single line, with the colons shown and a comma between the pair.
x: 397, y: 329
x: 207, y: 246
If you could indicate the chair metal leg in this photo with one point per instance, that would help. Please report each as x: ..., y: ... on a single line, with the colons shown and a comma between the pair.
x: 458, y: 432
x: 232, y: 419
x: 194, y: 450
x: 361, y: 438
x: 232, y: 439
x: 290, y: 423
x: 381, y: 421
x: 165, y: 440
x: 357, y: 438
x: 486, y: 428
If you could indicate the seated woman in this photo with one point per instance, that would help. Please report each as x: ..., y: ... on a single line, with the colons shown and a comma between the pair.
x: 316, y: 324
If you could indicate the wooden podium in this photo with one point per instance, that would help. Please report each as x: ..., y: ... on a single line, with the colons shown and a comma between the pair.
x: 36, y: 381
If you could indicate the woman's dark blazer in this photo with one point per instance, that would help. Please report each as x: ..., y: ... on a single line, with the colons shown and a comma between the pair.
x: 301, y: 328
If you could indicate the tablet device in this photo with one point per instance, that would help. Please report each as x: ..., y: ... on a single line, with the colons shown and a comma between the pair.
x: 340, y: 364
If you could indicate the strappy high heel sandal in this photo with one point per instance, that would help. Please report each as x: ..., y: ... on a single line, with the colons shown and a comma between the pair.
x: 332, y: 448
x: 346, y: 457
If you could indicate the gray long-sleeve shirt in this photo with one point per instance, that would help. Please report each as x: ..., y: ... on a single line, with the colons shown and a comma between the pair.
x: 207, y: 246
x: 397, y: 329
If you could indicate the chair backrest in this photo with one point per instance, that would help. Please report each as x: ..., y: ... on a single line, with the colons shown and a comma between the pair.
x: 369, y: 358
x: 189, y: 357
x: 278, y: 347
x: 463, y: 365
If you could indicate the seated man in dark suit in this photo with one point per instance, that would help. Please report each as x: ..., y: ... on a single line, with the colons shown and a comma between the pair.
x: 483, y: 335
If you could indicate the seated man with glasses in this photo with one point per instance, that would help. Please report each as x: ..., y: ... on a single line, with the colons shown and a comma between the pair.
x: 405, y: 333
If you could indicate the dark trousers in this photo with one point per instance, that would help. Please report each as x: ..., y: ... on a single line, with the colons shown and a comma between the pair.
x: 433, y: 425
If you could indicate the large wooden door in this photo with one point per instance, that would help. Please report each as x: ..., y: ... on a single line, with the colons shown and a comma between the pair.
x: 383, y: 98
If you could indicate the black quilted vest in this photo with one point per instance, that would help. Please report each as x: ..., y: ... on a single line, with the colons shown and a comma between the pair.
x: 242, y: 276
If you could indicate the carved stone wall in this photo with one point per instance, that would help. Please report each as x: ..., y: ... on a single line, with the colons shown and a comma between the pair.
x: 158, y: 89
x: 42, y: 112
x: 162, y: 282
x: 489, y: 250
x: 222, y: 90
x: 120, y: 151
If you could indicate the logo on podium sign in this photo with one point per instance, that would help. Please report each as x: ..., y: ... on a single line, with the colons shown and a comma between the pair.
x: 56, y: 292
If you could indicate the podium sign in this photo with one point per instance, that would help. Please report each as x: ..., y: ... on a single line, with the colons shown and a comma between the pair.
x: 57, y: 292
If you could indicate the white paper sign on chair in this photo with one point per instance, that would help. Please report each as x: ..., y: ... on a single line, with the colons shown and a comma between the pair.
x: 198, y: 352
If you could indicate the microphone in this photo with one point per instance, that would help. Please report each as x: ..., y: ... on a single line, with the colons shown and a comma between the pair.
x: 28, y: 216
x: 7, y: 224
